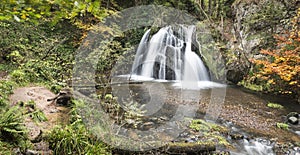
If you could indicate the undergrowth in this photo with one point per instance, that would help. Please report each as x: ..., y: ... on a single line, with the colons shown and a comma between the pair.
x: 75, y: 138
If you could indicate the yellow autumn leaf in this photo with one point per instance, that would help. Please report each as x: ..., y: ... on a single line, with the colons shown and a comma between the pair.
x: 293, y: 83
x: 271, y: 81
x: 23, y: 16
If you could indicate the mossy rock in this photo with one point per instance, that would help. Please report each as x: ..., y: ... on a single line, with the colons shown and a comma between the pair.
x: 201, y: 125
x: 190, y: 148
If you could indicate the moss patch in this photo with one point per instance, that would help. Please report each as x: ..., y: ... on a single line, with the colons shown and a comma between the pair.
x: 201, y: 125
x: 275, y: 105
x: 210, y: 133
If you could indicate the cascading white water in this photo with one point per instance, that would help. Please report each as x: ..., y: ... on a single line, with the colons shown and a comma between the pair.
x: 255, y: 147
x: 168, y: 55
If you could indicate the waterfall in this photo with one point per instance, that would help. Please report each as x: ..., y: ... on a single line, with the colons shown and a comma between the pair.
x: 168, y: 55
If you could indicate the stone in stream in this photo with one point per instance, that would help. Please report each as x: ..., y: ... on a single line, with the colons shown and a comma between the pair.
x: 293, y: 120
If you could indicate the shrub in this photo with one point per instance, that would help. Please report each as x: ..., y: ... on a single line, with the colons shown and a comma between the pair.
x: 75, y: 139
x: 12, y: 128
x: 279, y: 71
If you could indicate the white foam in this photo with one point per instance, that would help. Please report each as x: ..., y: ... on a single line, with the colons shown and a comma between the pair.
x: 197, y: 85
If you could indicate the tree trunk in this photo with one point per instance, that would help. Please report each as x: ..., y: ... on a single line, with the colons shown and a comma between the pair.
x: 202, y: 4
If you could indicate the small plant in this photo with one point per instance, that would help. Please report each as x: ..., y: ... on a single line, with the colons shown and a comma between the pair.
x: 11, y: 124
x: 283, y: 126
x: 75, y: 139
x: 5, y: 148
x: 19, y: 76
x: 12, y: 128
x: 6, y: 88
x: 30, y: 109
x: 275, y: 105
x: 38, y: 116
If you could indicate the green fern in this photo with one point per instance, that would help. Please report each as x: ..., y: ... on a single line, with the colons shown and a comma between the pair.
x: 11, y: 124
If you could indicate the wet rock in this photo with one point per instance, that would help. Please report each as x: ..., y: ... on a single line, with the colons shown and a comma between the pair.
x: 236, y: 136
x: 234, y: 75
x: 293, y: 120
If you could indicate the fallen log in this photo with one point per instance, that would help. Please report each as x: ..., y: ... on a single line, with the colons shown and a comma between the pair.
x: 174, y: 148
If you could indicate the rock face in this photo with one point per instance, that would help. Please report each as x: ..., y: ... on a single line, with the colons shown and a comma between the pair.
x: 252, y: 29
x: 234, y: 74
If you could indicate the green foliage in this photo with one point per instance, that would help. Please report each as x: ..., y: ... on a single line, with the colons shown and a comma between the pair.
x: 108, y: 97
x: 278, y: 71
x: 12, y: 129
x: 40, y: 54
x: 5, y: 148
x: 283, y: 126
x: 6, y: 88
x: 251, y: 86
x: 75, y: 139
x: 37, y: 115
x: 267, y: 17
x: 275, y: 105
x: 33, y: 11
x: 19, y: 76
x: 201, y: 125
x: 211, y: 132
